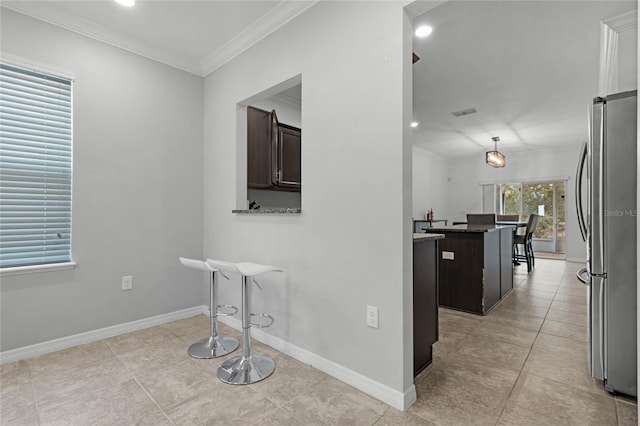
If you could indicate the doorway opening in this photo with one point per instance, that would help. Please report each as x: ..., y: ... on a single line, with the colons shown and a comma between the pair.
x: 547, y: 199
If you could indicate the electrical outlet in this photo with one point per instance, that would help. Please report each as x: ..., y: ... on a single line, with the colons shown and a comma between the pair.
x: 372, y: 316
x: 449, y: 255
x: 127, y: 282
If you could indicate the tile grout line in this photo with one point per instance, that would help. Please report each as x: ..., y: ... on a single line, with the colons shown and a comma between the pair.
x: 381, y: 417
x: 135, y: 378
x: 33, y: 392
x: 569, y: 338
x: 562, y: 284
x: 281, y: 407
x: 153, y: 400
x: 528, y: 354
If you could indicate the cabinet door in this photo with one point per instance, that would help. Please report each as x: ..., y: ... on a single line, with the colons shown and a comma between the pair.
x: 259, y: 128
x: 425, y: 305
x: 460, y: 285
x: 506, y: 262
x: 290, y: 153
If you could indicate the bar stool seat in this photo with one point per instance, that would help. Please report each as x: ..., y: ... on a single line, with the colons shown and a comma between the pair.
x: 215, y: 345
x: 247, y: 368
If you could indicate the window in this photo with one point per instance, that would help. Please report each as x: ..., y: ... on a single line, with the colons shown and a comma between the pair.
x: 547, y: 199
x: 35, y: 168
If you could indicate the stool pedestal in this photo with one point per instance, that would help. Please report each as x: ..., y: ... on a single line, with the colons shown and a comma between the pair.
x: 214, y: 345
x: 247, y: 368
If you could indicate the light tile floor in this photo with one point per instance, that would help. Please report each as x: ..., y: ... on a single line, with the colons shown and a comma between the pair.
x: 523, y: 364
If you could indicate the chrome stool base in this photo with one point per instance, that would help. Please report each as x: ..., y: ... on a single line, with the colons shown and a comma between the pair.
x: 243, y: 371
x: 213, y: 347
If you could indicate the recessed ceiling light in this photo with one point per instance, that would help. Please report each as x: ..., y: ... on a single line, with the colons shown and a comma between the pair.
x: 423, y: 31
x: 127, y: 3
x: 414, y: 124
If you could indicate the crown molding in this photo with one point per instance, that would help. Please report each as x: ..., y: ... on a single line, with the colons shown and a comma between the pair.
x: 624, y: 22
x: 424, y: 151
x: 418, y: 7
x: 287, y: 100
x: 284, y: 12
x: 54, y: 16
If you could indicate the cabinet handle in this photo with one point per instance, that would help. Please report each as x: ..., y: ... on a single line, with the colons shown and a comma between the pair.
x: 275, y: 147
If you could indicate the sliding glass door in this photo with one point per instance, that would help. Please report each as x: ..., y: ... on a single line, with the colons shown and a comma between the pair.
x: 547, y: 199
x: 510, y: 199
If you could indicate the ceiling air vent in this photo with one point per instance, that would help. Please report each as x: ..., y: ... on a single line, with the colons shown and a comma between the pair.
x: 464, y: 112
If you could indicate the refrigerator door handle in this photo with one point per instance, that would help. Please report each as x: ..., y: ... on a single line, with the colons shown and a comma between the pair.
x: 581, y: 276
x: 597, y: 338
x: 578, y: 188
x: 597, y: 207
x: 603, y: 342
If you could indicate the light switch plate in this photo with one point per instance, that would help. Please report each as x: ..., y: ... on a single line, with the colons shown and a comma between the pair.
x: 372, y: 316
x: 127, y: 282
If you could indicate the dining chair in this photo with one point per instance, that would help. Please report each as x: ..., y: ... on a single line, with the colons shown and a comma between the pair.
x: 508, y: 218
x: 526, y: 242
x: 481, y: 218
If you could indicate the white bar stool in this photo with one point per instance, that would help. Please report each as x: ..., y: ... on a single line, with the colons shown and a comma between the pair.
x: 248, y: 368
x: 214, y: 345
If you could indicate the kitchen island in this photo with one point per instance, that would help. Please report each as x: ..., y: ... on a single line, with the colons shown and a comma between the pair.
x: 425, y: 298
x: 475, y: 266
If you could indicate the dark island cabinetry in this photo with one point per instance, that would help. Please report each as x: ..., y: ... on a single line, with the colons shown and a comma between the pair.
x: 476, y: 269
x: 425, y: 298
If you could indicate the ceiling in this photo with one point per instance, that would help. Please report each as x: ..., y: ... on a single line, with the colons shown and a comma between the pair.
x: 194, y: 36
x: 529, y: 68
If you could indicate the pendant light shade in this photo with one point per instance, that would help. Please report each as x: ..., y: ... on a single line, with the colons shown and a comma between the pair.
x: 495, y: 158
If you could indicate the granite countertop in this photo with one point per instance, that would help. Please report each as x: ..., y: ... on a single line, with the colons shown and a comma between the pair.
x: 280, y: 210
x: 427, y: 237
x: 469, y: 228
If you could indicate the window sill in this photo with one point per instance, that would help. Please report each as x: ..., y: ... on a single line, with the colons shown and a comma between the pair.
x: 33, y: 269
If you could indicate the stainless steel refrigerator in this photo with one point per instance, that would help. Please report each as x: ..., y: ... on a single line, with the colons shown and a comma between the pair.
x: 608, y: 224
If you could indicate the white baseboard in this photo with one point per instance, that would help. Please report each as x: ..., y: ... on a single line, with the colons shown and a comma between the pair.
x: 99, y: 334
x: 384, y: 393
x: 399, y: 400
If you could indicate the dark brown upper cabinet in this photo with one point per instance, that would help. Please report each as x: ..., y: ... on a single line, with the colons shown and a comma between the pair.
x: 259, y: 135
x: 289, y: 157
x: 273, y: 152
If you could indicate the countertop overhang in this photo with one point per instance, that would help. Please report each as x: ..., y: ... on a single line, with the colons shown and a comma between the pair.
x: 427, y: 237
x: 470, y: 228
x: 283, y: 210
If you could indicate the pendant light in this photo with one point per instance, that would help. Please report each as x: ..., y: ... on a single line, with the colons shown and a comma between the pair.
x: 495, y: 158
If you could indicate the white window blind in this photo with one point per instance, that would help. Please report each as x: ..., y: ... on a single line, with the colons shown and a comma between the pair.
x: 35, y: 168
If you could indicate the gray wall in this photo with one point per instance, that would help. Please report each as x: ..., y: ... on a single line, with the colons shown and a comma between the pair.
x: 431, y: 175
x: 137, y: 189
x: 351, y: 246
